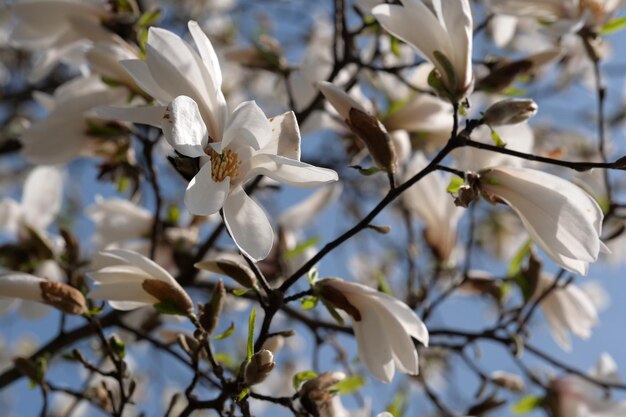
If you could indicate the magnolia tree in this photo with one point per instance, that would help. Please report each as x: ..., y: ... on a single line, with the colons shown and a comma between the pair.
x: 464, y: 165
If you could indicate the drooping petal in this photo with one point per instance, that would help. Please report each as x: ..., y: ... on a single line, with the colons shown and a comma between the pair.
x: 247, y: 125
x: 149, y: 266
x: 184, y: 128
x: 290, y: 171
x: 43, y: 195
x: 147, y: 115
x: 204, y: 196
x: 207, y: 52
x: 285, y: 136
x: 374, y: 347
x: 248, y: 225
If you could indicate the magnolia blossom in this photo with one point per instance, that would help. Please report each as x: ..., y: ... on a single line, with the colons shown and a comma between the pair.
x: 567, y: 309
x: 429, y: 200
x: 42, y: 197
x: 559, y: 216
x: 118, y: 220
x: 441, y: 32
x: 233, y: 147
x: 129, y: 280
x: 573, y: 396
x: 383, y: 327
x: 61, y: 30
x: 66, y: 132
x: 18, y: 285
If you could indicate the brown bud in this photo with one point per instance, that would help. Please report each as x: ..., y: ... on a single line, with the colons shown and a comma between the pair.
x: 190, y: 345
x: 509, y: 381
x: 240, y: 273
x: 210, y: 313
x: 338, y: 300
x: 510, y: 111
x: 63, y: 297
x: 378, y: 142
x: 259, y: 367
x: 317, y: 389
x: 166, y: 292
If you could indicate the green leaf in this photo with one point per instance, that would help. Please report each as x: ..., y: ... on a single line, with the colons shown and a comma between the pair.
x: 122, y: 184
x: 300, y: 377
x: 227, y: 333
x: 368, y: 171
x: 497, y: 140
x: 119, y: 347
x: 383, y: 284
x: 308, y: 302
x: 173, y: 214
x: 514, y: 92
x: 149, y: 18
x: 94, y: 311
x: 243, y: 394
x: 516, y: 262
x: 527, y: 404
x: 251, y: 333
x: 447, y: 67
x: 240, y: 292
x: 301, y: 247
x: 142, y: 38
x: 455, y: 184
x: 398, y: 404
x: 169, y: 307
x: 395, y: 45
x: 312, y: 276
x: 332, y: 312
x: 111, y: 82
x: 613, y: 26
x: 348, y: 385
x: 224, y: 358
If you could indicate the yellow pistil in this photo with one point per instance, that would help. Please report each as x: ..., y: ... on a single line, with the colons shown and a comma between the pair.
x: 224, y: 165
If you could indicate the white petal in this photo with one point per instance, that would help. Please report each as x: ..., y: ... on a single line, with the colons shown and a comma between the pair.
x: 141, y: 74
x: 119, y: 273
x: 184, y: 128
x: 146, y: 115
x: 248, y: 124
x: 20, y: 285
x: 149, y: 266
x: 341, y: 101
x: 128, y: 291
x: 207, y: 53
x: 205, y: 196
x: 374, y: 348
x: 10, y: 216
x: 285, y: 136
x: 43, y: 195
x: 458, y: 18
x: 248, y: 225
x: 290, y: 171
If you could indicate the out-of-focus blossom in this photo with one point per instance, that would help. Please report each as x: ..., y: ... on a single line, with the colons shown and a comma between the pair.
x: 573, y: 396
x: 42, y: 197
x: 510, y: 111
x: 130, y: 280
x: 69, y: 119
x: 18, y: 285
x: 429, y: 200
x: 441, y: 34
x: 567, y: 309
x: 58, y: 30
x: 383, y: 327
x: 118, y: 220
x: 559, y: 216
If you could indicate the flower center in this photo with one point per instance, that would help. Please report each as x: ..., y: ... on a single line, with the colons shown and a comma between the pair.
x: 225, y: 164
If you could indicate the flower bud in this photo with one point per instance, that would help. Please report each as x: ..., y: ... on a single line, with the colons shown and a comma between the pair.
x: 259, y: 367
x: 510, y: 111
x: 165, y: 292
x: 509, y: 381
x: 315, y: 394
x: 210, y: 313
x: 63, y: 297
x: 239, y: 272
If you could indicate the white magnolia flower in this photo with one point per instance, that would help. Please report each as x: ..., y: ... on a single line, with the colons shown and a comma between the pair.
x: 59, y: 30
x: 559, y: 216
x: 118, y: 220
x: 233, y: 147
x: 429, y: 200
x: 573, y: 396
x: 441, y: 32
x: 42, y: 197
x: 19, y: 285
x: 129, y: 280
x: 68, y: 117
x: 567, y: 309
x: 383, y: 327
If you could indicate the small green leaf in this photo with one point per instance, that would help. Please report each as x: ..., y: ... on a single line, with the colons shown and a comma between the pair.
x: 447, y: 67
x: 142, y: 39
x: 312, y: 276
x: 497, y: 140
x: 119, y: 347
x: 395, y: 45
x: 527, y: 404
x: 224, y: 358
x: 308, y: 302
x: 149, y: 18
x: 398, y: 404
x: 240, y: 292
x: 122, y: 184
x: 94, y: 311
x: 514, y: 92
x: 455, y: 184
x: 301, y: 247
x: 516, y: 262
x: 251, y: 333
x: 111, y: 82
x: 169, y: 307
x: 227, y: 333
x: 300, y: 377
x: 383, y: 284
x: 368, y: 171
x: 332, y: 312
x: 348, y: 385
x: 613, y: 26
x: 173, y: 214
x: 243, y: 394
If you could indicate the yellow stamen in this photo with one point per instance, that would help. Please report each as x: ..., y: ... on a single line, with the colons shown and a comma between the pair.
x: 224, y: 165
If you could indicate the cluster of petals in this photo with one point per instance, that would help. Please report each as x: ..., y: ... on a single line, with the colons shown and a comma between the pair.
x: 383, y: 327
x: 232, y: 147
x: 441, y: 32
